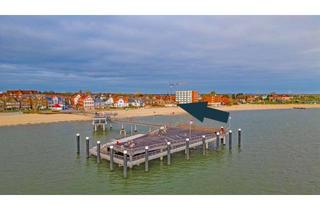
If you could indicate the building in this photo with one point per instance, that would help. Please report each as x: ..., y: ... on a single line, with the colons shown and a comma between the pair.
x: 25, y: 103
x: 216, y: 100
x: 75, y: 99
x: 135, y: 102
x: 12, y: 104
x: 55, y: 102
x: 86, y: 102
x: 120, y: 101
x: 187, y: 96
x: 19, y: 93
x: 109, y: 102
x: 280, y: 98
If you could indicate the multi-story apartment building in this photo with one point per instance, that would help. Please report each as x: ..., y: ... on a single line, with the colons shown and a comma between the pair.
x: 187, y: 96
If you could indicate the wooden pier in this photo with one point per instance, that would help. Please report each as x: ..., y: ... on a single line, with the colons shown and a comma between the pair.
x: 141, y: 148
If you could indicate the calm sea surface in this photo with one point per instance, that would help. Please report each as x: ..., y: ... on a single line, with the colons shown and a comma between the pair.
x: 280, y: 154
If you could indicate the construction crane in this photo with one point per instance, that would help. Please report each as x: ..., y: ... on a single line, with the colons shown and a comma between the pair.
x: 173, y: 85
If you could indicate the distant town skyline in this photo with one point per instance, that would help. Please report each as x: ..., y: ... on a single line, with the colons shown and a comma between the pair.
x: 226, y: 54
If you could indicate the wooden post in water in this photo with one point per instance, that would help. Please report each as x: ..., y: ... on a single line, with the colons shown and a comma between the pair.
x: 223, y: 136
x: 87, y: 147
x: 230, y: 139
x: 131, y: 130
x: 217, y: 140
x: 161, y: 157
x: 98, y: 152
x: 187, y: 149
x: 135, y: 128
x: 125, y: 164
x: 111, y: 157
x: 110, y: 126
x: 239, y: 137
x: 146, y: 159
x: 203, y: 144
x: 78, y: 143
x: 168, y: 153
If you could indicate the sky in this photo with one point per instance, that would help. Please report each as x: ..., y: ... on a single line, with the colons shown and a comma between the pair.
x: 226, y: 54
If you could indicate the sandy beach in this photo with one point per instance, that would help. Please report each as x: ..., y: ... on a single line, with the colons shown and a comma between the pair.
x: 9, y: 119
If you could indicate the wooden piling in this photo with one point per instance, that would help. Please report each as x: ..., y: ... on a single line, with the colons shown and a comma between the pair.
x: 110, y: 126
x: 239, y: 137
x: 203, y: 144
x: 146, y: 159
x: 131, y: 130
x: 87, y: 147
x: 168, y: 153
x: 78, y: 143
x: 135, y: 128
x: 217, y: 140
x: 230, y: 139
x: 125, y: 164
x: 98, y: 152
x: 111, y: 157
x: 187, y: 149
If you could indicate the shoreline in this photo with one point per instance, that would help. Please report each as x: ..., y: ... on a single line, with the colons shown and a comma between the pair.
x: 13, y: 119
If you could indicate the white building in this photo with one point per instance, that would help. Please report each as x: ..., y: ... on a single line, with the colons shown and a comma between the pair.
x: 186, y: 96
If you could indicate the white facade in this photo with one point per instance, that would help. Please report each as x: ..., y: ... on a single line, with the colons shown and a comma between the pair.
x: 184, y: 96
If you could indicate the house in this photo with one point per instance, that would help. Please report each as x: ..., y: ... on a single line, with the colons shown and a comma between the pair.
x: 75, y: 99
x: 25, y: 103
x: 39, y: 102
x: 135, y: 102
x: 19, y: 93
x: 216, y: 100
x: 99, y: 103
x: 53, y: 100
x: 12, y: 104
x: 86, y: 102
x: 109, y: 102
x: 120, y: 101
x: 280, y: 98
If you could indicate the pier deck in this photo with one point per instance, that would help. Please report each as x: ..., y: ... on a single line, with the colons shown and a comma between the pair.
x: 157, y: 143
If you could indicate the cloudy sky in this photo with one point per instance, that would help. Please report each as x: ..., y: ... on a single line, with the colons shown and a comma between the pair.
x: 146, y: 53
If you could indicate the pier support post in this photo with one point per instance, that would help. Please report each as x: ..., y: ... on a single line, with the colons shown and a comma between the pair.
x: 87, y: 147
x: 203, y: 144
x: 131, y: 131
x: 110, y: 126
x: 168, y: 153
x: 111, y: 157
x: 104, y: 127
x: 98, y: 152
x: 217, y: 140
x: 230, y: 139
x: 161, y: 157
x: 239, y: 137
x: 95, y: 127
x: 187, y: 149
x: 135, y: 128
x: 125, y: 164
x: 146, y: 159
x: 78, y: 143
x: 222, y: 138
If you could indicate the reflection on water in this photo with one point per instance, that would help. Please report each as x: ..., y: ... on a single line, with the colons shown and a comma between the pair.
x: 279, y: 155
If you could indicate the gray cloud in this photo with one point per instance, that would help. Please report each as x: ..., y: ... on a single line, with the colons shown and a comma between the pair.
x: 145, y: 53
